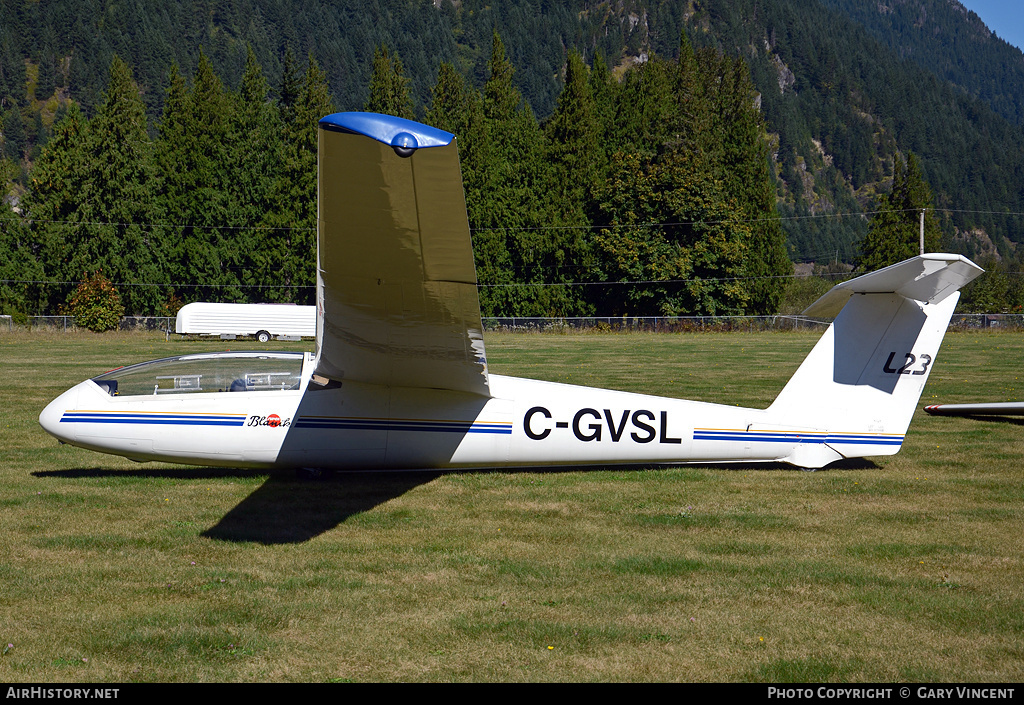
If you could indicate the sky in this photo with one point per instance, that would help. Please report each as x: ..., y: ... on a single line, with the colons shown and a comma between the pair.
x: 1004, y: 17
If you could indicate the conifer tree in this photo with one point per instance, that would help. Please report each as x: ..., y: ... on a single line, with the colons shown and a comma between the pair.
x: 290, y: 86
x: 646, y: 113
x: 603, y: 92
x: 294, y: 212
x: 501, y: 99
x: 515, y: 243
x: 994, y: 291
x: 572, y: 145
x: 173, y: 156
x: 495, y: 213
x: 193, y: 197
x: 696, y: 79
x: 20, y: 268
x: 93, y: 184
x: 737, y: 151
x: 208, y: 137
x: 120, y: 193
x: 458, y: 108
x: 453, y: 104
x: 51, y: 202
x: 389, y: 88
x: 15, y: 140
x: 254, y: 135
x: 894, y: 231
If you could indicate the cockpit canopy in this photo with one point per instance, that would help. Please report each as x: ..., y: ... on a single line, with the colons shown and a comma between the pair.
x: 207, y: 372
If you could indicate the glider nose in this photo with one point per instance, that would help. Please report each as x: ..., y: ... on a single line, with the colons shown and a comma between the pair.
x: 50, y: 417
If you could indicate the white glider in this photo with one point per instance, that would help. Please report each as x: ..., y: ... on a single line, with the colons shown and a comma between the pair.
x: 399, y: 378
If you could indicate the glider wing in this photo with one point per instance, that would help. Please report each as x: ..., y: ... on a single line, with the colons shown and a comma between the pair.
x: 397, y: 301
x: 1005, y: 408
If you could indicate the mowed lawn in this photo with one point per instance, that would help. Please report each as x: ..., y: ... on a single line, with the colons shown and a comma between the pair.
x: 907, y: 568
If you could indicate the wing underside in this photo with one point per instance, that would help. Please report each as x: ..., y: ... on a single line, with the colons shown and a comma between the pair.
x: 397, y: 301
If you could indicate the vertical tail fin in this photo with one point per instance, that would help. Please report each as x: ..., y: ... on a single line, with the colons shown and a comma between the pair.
x: 861, y: 383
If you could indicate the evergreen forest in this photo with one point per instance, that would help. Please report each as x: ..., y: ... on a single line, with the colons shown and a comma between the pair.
x: 641, y: 157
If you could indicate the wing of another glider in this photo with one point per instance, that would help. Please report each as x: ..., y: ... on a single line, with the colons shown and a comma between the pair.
x: 1007, y: 408
x: 397, y: 301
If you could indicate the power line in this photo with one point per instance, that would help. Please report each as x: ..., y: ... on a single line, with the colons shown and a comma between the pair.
x: 152, y: 226
x: 48, y: 282
x: 54, y: 282
x: 667, y: 281
x: 272, y: 228
x: 184, y: 285
x: 638, y: 282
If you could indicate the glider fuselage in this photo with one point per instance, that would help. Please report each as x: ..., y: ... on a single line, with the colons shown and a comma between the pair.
x: 354, y: 425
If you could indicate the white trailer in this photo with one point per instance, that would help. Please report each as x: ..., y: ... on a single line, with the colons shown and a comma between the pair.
x: 261, y: 321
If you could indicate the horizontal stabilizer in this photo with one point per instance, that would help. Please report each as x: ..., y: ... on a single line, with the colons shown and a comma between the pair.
x: 929, y: 278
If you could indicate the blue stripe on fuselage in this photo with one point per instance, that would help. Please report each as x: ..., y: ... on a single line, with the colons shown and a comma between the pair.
x: 126, y: 417
x: 707, y: 434
x: 351, y: 424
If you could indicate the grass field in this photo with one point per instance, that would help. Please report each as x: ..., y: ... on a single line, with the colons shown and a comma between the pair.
x: 906, y: 568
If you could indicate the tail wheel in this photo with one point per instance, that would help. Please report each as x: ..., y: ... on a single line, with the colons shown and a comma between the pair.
x: 263, y: 336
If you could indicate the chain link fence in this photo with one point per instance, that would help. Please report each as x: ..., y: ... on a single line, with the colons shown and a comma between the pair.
x: 684, y: 324
x: 655, y: 324
x: 67, y: 323
x: 971, y: 321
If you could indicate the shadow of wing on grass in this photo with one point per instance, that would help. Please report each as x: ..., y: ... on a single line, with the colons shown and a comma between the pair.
x: 177, y: 473
x: 285, y: 510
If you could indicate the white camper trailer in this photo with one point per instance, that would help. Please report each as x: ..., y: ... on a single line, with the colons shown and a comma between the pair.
x: 261, y: 321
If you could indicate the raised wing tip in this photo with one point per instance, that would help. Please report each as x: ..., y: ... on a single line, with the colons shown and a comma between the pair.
x: 392, y: 131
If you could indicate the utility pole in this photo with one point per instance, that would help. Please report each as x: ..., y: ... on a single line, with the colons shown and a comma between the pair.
x: 922, y: 231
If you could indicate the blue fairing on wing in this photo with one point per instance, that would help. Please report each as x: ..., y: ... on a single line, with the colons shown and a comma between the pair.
x: 392, y: 131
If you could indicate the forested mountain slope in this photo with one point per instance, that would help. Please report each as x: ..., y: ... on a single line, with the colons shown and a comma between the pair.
x: 951, y: 42
x: 843, y: 85
x: 826, y: 81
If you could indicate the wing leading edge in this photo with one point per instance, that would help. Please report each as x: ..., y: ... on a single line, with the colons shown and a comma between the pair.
x: 397, y: 301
